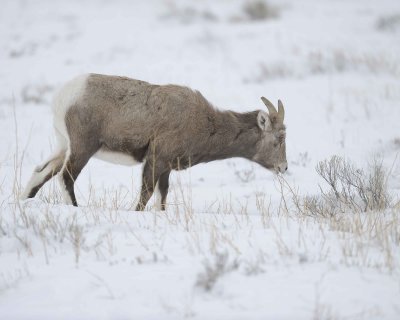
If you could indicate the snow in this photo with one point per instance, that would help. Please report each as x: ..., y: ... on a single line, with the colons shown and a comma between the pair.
x: 225, y: 248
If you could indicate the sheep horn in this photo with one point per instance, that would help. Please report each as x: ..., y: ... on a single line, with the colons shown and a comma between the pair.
x: 281, y: 111
x: 270, y: 106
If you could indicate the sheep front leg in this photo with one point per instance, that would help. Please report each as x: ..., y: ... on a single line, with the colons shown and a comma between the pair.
x: 150, y: 175
x: 162, y: 191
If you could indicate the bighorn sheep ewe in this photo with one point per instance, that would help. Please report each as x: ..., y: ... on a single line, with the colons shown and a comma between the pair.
x: 167, y: 127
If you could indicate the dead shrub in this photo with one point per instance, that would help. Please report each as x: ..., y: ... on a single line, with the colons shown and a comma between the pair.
x: 389, y: 23
x: 352, y: 188
x: 215, y: 270
x: 36, y: 94
x: 259, y: 10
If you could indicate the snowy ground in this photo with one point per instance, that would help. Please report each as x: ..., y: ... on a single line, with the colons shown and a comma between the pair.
x: 228, y: 247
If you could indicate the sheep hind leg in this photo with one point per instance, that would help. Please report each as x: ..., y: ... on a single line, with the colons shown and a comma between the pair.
x: 42, y: 174
x: 74, y: 162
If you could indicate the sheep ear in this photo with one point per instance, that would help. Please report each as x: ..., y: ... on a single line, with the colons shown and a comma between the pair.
x: 263, y: 121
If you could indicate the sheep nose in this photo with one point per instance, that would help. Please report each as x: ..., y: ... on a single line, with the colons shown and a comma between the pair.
x: 283, y: 167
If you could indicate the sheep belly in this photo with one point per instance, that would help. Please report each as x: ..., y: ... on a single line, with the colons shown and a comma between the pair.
x: 115, y: 157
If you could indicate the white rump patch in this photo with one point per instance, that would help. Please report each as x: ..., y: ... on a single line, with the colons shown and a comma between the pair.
x: 66, y: 97
x: 115, y: 157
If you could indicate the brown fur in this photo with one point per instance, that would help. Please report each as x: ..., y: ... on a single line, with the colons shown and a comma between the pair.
x: 170, y: 127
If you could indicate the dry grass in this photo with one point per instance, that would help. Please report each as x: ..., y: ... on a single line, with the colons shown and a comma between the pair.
x: 356, y: 210
x: 188, y: 14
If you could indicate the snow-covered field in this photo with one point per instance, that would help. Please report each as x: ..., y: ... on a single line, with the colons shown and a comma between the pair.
x: 232, y: 244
